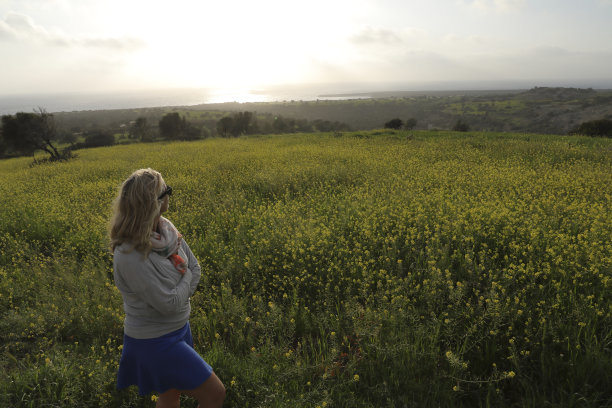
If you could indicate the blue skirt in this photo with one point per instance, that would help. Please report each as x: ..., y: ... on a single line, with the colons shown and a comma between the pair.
x: 162, y: 363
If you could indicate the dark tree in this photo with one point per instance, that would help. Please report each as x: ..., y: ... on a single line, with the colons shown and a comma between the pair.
x: 191, y: 132
x: 601, y: 127
x: 25, y: 133
x: 141, y: 130
x: 67, y: 137
x: 461, y: 126
x: 279, y: 124
x: 225, y: 125
x: 242, y: 123
x: 394, y: 124
x: 99, y: 138
x: 172, y: 126
x: 410, y: 123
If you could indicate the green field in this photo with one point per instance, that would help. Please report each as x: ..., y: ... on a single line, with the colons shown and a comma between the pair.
x: 395, y: 269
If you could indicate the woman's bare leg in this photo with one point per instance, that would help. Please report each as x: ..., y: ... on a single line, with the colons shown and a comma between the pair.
x: 169, y: 399
x: 210, y: 394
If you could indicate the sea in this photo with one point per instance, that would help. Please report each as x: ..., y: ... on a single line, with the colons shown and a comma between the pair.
x: 84, y: 101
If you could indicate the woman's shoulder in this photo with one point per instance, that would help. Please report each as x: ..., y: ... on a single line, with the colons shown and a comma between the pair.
x: 126, y: 253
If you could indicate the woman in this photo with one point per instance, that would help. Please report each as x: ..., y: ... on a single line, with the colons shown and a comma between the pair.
x: 156, y: 272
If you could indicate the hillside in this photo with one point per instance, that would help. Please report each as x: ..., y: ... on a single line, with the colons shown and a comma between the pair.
x: 539, y: 110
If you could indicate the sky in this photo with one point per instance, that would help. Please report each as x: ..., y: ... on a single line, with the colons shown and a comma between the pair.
x: 110, y: 45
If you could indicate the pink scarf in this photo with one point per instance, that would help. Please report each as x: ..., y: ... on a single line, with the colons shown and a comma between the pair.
x: 167, y: 242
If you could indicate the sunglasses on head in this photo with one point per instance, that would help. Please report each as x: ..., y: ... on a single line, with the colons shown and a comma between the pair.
x: 167, y: 191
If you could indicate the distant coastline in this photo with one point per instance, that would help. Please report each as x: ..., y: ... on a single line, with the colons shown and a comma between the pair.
x: 84, y: 101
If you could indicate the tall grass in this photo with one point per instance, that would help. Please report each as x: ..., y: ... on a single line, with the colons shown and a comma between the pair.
x: 366, y: 269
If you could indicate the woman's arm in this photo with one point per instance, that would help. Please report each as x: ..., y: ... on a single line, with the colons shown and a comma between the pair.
x: 194, y: 266
x: 153, y: 287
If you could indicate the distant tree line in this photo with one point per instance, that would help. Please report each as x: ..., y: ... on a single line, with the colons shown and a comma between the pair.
x: 25, y: 133
x: 247, y: 123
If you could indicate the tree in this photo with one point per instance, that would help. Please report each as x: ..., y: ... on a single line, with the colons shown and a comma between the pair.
x: 410, y: 123
x: 191, y: 132
x: 394, y: 124
x: 461, y: 126
x: 25, y: 133
x: 279, y: 125
x: 242, y: 123
x: 172, y: 126
x: 224, y: 125
x: 141, y: 130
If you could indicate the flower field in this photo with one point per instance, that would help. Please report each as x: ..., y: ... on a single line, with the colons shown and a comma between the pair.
x: 367, y: 269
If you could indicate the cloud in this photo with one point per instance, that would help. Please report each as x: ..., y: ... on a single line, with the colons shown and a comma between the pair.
x: 502, y: 6
x: 22, y: 28
x: 123, y: 43
x: 371, y: 35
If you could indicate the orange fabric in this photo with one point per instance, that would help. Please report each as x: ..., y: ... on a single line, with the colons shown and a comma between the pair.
x: 178, y: 262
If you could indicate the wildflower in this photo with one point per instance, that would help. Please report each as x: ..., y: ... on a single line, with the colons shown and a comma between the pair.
x: 356, y: 377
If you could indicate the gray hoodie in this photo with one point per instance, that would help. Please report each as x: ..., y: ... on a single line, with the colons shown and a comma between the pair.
x: 155, y: 294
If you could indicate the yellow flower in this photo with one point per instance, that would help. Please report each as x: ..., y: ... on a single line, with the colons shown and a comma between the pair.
x: 154, y: 398
x: 356, y: 377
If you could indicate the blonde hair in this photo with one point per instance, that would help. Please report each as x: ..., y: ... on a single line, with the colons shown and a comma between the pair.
x: 135, y: 210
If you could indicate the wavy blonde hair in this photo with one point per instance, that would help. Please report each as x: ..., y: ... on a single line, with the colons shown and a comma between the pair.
x: 135, y: 210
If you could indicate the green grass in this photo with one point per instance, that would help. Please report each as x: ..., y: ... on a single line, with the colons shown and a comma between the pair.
x: 362, y: 270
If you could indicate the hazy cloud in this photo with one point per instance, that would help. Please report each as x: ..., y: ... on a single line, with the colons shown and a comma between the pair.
x: 123, y: 43
x: 371, y: 35
x: 495, y: 5
x: 20, y: 27
x: 550, y: 51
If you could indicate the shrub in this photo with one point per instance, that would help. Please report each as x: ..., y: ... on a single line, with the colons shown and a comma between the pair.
x: 601, y: 127
x: 99, y: 138
x: 394, y: 124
